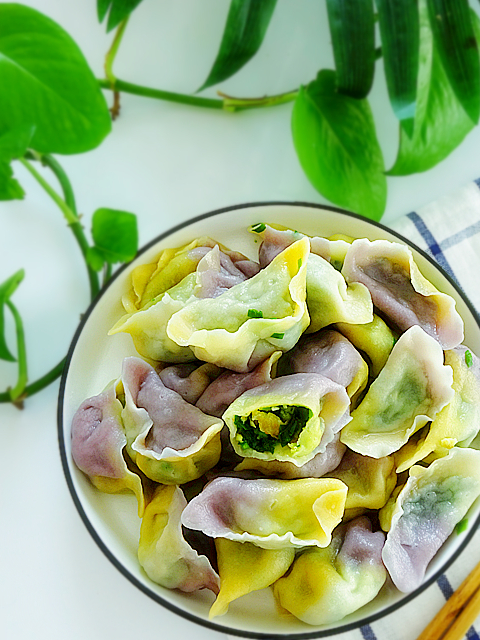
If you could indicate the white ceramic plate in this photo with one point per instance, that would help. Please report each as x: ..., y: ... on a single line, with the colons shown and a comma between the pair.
x: 95, y: 359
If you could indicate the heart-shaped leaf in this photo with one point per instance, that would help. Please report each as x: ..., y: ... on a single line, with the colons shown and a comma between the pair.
x: 115, y: 236
x: 352, y: 28
x: 400, y: 34
x: 119, y: 10
x: 246, y: 25
x: 336, y: 142
x: 7, y: 289
x: 457, y: 46
x: 46, y: 82
x: 441, y: 123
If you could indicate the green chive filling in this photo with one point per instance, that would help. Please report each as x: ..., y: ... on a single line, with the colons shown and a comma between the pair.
x: 258, y: 228
x: 278, y: 336
x: 461, y: 526
x: 468, y: 358
x: 281, y: 424
x: 253, y: 313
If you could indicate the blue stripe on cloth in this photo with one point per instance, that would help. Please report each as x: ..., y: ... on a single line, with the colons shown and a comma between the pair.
x: 433, y: 245
x: 446, y: 588
x: 477, y: 182
x: 468, y: 232
x: 369, y: 634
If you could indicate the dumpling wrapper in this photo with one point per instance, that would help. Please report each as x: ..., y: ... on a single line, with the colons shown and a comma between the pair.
x: 370, y: 481
x: 172, y: 265
x: 374, y: 338
x: 458, y: 422
x: 172, y: 441
x: 220, y: 330
x: 401, y: 292
x: 325, y: 401
x: 325, y: 585
x: 163, y: 552
x: 243, y: 568
x: 317, y: 467
x: 272, y: 514
x: 98, y: 441
x: 276, y: 239
x: 190, y: 379
x: 329, y: 353
x: 209, y: 272
x: 331, y: 299
x: 426, y: 511
x: 410, y: 390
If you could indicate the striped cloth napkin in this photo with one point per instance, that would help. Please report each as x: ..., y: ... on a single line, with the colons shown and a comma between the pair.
x: 449, y: 230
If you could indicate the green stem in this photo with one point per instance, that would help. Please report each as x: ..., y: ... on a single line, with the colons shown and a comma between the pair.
x: 67, y: 206
x: 19, y: 388
x: 39, y: 384
x: 70, y: 216
x: 227, y: 103
x: 112, y: 52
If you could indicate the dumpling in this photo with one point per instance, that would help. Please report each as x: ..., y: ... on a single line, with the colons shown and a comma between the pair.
x: 247, y: 323
x: 325, y: 585
x: 151, y: 280
x: 317, y: 467
x: 374, y: 338
x: 172, y: 441
x: 370, y: 481
x: 163, y: 552
x: 275, y: 240
x: 272, y: 514
x: 410, y: 390
x: 330, y: 354
x: 98, y: 440
x: 189, y: 379
x: 426, y: 511
x: 400, y: 291
x: 210, y: 272
x: 331, y: 299
x: 291, y: 418
x: 458, y: 422
x: 244, y: 567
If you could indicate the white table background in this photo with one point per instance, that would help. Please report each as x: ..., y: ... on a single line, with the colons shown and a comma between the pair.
x: 166, y: 163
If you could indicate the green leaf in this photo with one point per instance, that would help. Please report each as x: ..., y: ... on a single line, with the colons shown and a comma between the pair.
x: 455, y: 40
x: 440, y: 120
x: 400, y: 34
x: 352, y: 28
x: 115, y: 236
x: 10, y: 188
x: 14, y: 143
x: 336, y: 142
x: 246, y: 25
x: 119, y: 10
x: 7, y: 289
x: 45, y: 81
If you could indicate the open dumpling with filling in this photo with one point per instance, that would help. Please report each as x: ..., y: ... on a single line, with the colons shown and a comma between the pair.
x: 401, y: 292
x: 171, y: 440
x: 247, y: 323
x: 426, y: 510
x: 98, y: 441
x: 325, y: 585
x: 410, y: 390
x: 272, y: 514
x: 291, y: 418
x: 163, y: 551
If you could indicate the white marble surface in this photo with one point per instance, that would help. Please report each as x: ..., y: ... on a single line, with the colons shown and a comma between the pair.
x: 166, y: 163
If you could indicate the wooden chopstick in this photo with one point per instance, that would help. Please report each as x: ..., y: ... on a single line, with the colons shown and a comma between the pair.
x: 458, y: 613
